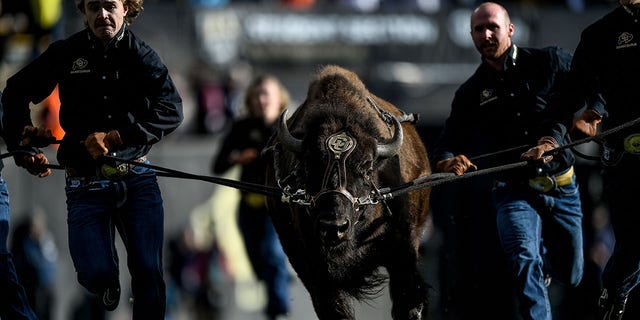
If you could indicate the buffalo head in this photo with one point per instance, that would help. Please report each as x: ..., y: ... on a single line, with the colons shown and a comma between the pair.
x: 340, y: 156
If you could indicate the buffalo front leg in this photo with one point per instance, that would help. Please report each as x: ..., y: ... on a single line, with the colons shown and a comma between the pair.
x: 332, y: 305
x: 409, y: 292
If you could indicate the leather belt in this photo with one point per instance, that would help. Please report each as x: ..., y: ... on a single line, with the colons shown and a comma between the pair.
x: 106, y: 171
x: 547, y: 183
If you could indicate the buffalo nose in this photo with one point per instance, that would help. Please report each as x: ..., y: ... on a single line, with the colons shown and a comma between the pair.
x: 333, y: 230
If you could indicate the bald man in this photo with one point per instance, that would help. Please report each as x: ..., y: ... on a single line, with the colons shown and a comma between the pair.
x: 509, y: 102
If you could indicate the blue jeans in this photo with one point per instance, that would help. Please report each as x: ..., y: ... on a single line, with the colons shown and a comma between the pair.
x: 133, y: 206
x: 13, y: 299
x: 537, y: 228
x: 266, y: 255
x: 622, y: 272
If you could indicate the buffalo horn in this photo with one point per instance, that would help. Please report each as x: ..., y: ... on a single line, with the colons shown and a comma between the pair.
x: 391, y: 148
x: 289, y: 142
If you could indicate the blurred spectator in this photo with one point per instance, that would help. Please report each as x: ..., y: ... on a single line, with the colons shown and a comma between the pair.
x: 35, y: 257
x: 360, y: 5
x: 604, y: 239
x: 265, y: 99
x: 240, y: 76
x: 209, y: 3
x: 210, y: 88
x: 13, y: 19
x: 44, y: 21
x: 194, y: 274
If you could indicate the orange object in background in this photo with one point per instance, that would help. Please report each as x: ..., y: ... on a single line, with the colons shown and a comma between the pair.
x: 50, y: 111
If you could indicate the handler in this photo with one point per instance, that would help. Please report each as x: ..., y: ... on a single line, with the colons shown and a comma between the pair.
x: 508, y: 102
x: 605, y: 68
x: 117, y: 99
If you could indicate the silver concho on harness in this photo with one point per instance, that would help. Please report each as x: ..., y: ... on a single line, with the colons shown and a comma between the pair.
x: 340, y: 143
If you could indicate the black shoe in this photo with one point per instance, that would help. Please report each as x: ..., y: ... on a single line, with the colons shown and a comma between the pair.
x: 111, y: 298
x: 611, y: 308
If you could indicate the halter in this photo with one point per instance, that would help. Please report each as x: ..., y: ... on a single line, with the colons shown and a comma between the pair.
x: 341, y: 145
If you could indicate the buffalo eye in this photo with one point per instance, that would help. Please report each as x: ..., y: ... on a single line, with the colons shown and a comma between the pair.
x: 366, y: 168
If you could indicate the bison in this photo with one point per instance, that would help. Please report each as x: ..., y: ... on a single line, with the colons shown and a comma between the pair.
x: 331, y: 158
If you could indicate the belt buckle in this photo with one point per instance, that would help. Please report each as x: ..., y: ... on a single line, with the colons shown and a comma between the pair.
x: 632, y: 143
x: 542, y: 183
x: 117, y: 172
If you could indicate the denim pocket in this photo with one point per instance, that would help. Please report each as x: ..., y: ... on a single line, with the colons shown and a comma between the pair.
x: 570, y: 189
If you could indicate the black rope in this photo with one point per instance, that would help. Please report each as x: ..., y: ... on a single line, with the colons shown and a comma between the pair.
x: 241, y: 185
x: 598, y: 137
x: 571, y: 145
x: 422, y: 182
x: 491, y: 154
x: 443, y: 177
x: 9, y: 154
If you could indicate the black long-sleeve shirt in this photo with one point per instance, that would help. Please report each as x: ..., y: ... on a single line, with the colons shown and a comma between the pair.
x: 606, y: 67
x: 499, y: 110
x: 245, y: 134
x: 123, y: 86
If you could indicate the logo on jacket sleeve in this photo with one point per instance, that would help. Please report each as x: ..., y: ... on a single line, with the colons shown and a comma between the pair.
x: 624, y: 41
x: 80, y: 66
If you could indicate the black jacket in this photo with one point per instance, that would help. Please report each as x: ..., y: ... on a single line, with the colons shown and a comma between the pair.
x: 606, y: 67
x: 499, y: 110
x: 244, y: 134
x: 123, y: 86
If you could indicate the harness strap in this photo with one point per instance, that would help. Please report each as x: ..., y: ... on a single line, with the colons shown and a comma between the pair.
x: 341, y: 145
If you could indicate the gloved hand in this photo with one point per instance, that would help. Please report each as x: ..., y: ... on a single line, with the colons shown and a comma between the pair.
x: 545, y: 144
x: 458, y: 165
x: 39, y: 137
x: 100, y: 143
x: 36, y: 164
x: 587, y: 123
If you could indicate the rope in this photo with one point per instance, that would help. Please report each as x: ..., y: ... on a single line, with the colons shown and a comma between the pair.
x: 422, y: 182
x: 571, y: 145
x: 443, y: 177
x: 241, y: 185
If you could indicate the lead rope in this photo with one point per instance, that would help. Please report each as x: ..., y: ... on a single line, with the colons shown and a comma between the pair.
x: 430, y: 180
x: 445, y: 177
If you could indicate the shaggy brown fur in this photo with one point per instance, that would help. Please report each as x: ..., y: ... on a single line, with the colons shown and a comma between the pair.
x: 336, y: 250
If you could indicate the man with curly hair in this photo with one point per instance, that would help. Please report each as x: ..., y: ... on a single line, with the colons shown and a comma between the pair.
x: 117, y: 100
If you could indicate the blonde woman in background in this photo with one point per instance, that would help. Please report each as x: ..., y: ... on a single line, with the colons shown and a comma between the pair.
x: 265, y: 99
